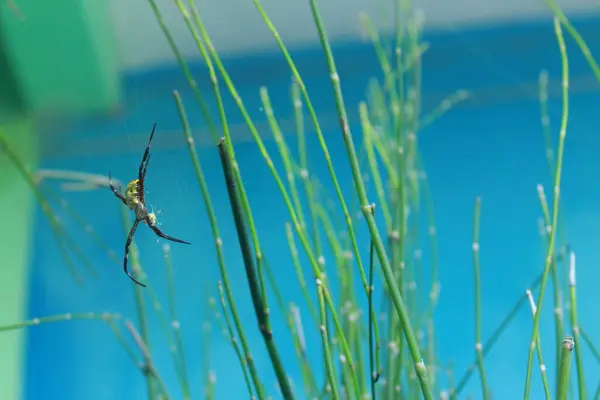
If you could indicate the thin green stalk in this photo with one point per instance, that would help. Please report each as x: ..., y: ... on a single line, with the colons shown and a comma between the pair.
x: 419, y: 364
x: 211, y: 383
x: 325, y: 342
x: 287, y: 200
x: 184, y: 68
x: 257, y: 300
x: 400, y: 74
x: 575, y: 327
x: 60, y: 318
x: 585, y: 50
x: 399, y: 190
x: 321, y: 139
x: 214, y: 81
x: 206, y: 348
x: 414, y: 28
x: 558, y: 303
x: 57, y: 228
x: 169, y: 331
x: 565, y: 368
x: 446, y: 104
x: 303, y: 166
x: 386, y: 68
x: 218, y: 244
x: 557, y: 181
x: 373, y: 359
x: 124, y: 343
x: 300, y: 343
x: 294, y: 325
x: 342, y: 340
x: 590, y: 344
x: 233, y: 339
x: 394, y: 336
x: 108, y: 318
x: 496, y: 334
x: 283, y: 150
x: 398, y: 239
x: 434, y: 290
x: 379, y: 115
x: 81, y: 221
x: 431, y: 353
x: 149, y: 366
x: 138, y: 294
x: 538, y: 346
x: 478, y: 347
x: 373, y: 324
x: 299, y: 274
x: 199, y: 37
x: 368, y: 141
x: 558, y: 307
x: 357, y: 339
x: 175, y: 322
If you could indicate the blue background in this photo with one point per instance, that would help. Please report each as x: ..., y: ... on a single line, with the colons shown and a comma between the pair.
x: 490, y: 146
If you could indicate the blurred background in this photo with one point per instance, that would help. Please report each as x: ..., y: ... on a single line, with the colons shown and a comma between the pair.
x: 83, y: 82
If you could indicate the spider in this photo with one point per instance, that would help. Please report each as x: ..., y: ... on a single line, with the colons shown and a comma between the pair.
x: 134, y: 200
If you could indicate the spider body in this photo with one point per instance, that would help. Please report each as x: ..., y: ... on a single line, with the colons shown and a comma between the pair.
x: 134, y: 200
x: 132, y: 196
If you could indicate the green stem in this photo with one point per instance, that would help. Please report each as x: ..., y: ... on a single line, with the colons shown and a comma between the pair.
x: 303, y: 167
x: 149, y: 367
x: 325, y: 341
x: 549, y: 152
x: 233, y: 339
x: 299, y: 274
x: 556, y: 202
x: 590, y: 344
x: 585, y: 50
x: 575, y: 328
x: 322, y: 143
x: 496, y: 334
x: 478, y: 346
x: 175, y: 323
x: 373, y: 364
x: 57, y: 228
x: 210, y: 211
x: 253, y: 282
x: 419, y: 364
x: 283, y: 151
x: 206, y: 55
x: 184, y: 68
x: 538, y: 348
x: 140, y: 303
x: 59, y: 318
x: 565, y: 368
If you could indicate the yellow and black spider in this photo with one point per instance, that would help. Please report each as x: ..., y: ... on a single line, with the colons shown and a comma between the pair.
x: 134, y: 199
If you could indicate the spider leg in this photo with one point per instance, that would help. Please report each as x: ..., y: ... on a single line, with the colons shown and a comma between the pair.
x: 144, y: 165
x: 162, y: 234
x: 141, y: 182
x: 115, y: 190
x: 127, y: 244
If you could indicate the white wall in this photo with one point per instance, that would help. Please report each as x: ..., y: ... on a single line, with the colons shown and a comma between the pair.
x: 236, y: 26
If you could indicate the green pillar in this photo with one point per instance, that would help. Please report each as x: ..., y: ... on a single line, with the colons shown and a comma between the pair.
x: 61, y: 55
x: 16, y: 203
x: 57, y: 58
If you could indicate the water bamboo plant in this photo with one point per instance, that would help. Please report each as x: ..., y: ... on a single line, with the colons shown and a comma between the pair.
x: 377, y: 331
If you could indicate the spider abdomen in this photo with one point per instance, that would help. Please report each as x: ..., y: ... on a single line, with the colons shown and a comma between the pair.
x: 132, y: 196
